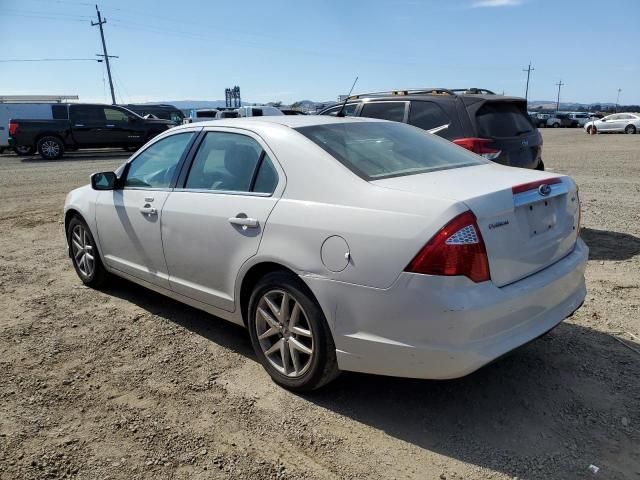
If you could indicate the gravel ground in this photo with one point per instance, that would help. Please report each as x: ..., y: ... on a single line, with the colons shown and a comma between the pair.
x: 127, y: 384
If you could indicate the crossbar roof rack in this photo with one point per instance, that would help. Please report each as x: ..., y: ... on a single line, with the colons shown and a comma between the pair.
x: 406, y: 91
x: 473, y: 91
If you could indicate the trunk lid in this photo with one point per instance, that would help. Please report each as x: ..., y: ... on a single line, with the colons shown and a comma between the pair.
x: 524, y: 230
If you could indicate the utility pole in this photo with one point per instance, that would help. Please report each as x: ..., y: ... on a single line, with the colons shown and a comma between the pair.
x: 106, y: 56
x: 528, y: 70
x: 559, y: 85
x: 618, y: 100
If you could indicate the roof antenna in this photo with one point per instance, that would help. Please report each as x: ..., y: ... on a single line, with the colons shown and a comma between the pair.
x: 341, y: 112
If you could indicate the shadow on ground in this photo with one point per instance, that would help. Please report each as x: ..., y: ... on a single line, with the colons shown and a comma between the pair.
x: 606, y: 245
x: 547, y: 410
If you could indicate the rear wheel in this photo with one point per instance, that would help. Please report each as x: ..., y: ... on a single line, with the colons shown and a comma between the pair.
x: 556, y: 125
x: 50, y: 148
x: 24, y: 150
x: 84, y: 254
x: 290, y: 335
x: 630, y: 129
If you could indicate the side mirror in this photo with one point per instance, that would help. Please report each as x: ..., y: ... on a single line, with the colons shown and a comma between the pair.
x: 104, y: 181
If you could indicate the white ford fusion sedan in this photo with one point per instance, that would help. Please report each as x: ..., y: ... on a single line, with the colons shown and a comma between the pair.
x: 340, y: 243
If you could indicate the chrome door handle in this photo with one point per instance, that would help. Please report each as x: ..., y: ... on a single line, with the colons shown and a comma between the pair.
x: 244, y: 222
x: 149, y: 210
x: 110, y: 126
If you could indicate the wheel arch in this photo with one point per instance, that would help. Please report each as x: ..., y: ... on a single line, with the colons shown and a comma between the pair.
x: 40, y: 136
x: 252, y: 276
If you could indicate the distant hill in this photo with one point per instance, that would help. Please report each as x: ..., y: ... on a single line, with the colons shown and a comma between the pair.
x: 190, y: 104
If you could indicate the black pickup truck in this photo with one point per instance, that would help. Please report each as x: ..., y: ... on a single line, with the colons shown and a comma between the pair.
x: 78, y: 126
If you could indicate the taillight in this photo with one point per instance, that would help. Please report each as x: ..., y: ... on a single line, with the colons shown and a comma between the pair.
x: 479, y: 146
x: 457, y: 249
x: 13, y: 127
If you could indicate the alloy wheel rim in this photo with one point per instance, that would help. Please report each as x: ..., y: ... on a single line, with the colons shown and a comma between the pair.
x: 284, y: 333
x: 50, y: 148
x: 82, y: 250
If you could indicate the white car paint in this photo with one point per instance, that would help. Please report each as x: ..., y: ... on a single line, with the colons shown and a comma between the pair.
x: 383, y: 319
x: 618, y: 122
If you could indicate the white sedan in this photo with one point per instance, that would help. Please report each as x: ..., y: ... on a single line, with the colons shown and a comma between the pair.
x: 340, y: 243
x: 618, y: 122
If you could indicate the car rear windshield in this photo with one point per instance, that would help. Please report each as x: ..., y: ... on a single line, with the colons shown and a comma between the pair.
x: 502, y: 119
x: 375, y: 150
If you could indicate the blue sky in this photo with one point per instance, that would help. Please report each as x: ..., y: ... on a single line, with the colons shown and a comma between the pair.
x: 290, y: 50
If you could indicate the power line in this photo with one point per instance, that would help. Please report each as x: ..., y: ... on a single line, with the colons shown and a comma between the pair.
x: 105, y: 55
x: 52, y: 60
x: 528, y: 70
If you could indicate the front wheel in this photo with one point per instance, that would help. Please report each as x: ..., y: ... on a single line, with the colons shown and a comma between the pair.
x: 24, y: 150
x: 84, y: 254
x: 290, y: 335
x: 556, y: 125
x: 630, y: 129
x: 591, y: 129
x: 50, y: 148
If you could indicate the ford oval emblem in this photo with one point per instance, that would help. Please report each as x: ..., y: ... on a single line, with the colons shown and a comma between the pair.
x: 544, y: 189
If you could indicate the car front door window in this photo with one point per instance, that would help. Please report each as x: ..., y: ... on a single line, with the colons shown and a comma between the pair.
x: 156, y: 166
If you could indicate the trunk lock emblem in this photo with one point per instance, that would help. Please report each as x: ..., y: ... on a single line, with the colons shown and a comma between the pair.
x: 544, y: 189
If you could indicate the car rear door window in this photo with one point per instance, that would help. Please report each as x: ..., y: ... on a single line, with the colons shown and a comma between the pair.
x: 427, y: 115
x: 59, y: 112
x: 393, y: 111
x: 88, y: 114
x: 503, y: 119
x: 226, y: 162
x: 267, y: 177
x: 156, y: 166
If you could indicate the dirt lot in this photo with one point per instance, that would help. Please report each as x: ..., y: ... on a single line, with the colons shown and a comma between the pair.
x: 126, y: 384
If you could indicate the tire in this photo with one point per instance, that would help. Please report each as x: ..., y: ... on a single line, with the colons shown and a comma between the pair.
x: 24, y: 150
x: 590, y: 129
x: 630, y: 129
x: 556, y: 125
x: 50, y: 148
x: 540, y: 166
x: 80, y: 240
x: 1, y: 150
x: 312, y: 370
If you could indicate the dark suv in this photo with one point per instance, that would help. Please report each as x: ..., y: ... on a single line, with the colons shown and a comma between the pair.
x: 494, y: 126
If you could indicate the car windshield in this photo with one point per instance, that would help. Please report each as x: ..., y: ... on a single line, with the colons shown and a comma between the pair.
x: 375, y: 150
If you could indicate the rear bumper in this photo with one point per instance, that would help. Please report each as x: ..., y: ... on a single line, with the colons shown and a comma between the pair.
x: 446, y: 327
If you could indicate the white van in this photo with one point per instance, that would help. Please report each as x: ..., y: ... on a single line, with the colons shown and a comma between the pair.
x: 259, y: 111
x: 32, y: 111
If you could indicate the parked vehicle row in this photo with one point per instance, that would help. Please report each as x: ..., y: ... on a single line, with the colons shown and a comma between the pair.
x: 561, y: 119
x: 77, y: 126
x: 422, y: 259
x: 494, y: 126
x: 206, y: 114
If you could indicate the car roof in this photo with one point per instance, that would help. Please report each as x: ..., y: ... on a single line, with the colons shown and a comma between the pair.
x: 291, y: 121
